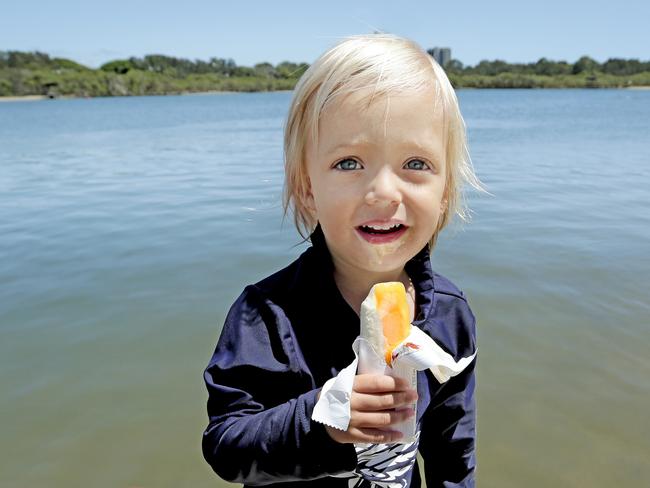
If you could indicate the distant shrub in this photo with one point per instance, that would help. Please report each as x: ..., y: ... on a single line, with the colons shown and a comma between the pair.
x: 62, y: 63
x: 119, y: 66
x: 6, y: 89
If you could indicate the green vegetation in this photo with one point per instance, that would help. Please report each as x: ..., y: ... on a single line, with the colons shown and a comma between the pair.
x: 35, y: 73
x: 584, y: 73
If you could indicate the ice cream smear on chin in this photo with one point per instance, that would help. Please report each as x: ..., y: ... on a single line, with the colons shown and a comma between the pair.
x: 382, y: 249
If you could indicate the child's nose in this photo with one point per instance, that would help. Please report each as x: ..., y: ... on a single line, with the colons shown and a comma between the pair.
x: 384, y: 189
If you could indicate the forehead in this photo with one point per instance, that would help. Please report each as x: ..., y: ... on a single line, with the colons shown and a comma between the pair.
x: 363, y: 117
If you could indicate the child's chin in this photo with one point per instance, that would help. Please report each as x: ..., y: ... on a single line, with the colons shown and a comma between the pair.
x: 387, y: 256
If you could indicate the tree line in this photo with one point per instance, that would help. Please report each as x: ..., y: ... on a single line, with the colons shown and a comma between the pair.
x: 36, y: 73
x: 156, y: 63
x: 547, y: 67
x: 182, y: 67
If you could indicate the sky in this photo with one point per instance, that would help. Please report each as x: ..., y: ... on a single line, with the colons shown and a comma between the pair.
x: 253, y: 31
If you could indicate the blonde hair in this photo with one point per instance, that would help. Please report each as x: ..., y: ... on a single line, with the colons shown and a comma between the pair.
x: 386, y: 64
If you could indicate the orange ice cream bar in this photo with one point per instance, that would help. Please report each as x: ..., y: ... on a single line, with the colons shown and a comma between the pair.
x: 385, y: 318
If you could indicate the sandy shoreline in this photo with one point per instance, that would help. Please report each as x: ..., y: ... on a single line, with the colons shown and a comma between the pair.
x: 24, y: 98
x: 29, y: 98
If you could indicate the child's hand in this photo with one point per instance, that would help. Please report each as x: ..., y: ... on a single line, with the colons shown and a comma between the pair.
x: 377, y: 403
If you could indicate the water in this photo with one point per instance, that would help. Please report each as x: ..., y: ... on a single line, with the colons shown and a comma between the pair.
x: 128, y: 226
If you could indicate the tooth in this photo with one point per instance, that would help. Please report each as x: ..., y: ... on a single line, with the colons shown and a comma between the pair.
x: 383, y: 227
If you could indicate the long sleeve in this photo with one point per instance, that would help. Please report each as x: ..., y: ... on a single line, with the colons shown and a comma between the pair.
x: 260, y: 401
x: 448, y: 436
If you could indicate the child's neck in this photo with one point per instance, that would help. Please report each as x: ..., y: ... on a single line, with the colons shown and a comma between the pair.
x: 355, y: 287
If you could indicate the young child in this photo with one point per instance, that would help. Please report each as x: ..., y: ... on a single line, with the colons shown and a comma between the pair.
x: 375, y: 157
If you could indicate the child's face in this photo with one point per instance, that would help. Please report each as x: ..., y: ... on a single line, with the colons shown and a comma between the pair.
x: 378, y: 165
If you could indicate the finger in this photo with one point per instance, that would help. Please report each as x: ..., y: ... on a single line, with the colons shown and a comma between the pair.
x: 374, y: 436
x: 376, y: 383
x: 382, y: 401
x: 380, y: 420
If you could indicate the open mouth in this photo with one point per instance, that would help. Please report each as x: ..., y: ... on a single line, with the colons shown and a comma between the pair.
x: 374, y: 235
x: 373, y: 231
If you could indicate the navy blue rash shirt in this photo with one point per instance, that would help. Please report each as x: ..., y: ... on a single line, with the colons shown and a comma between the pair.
x: 284, y: 337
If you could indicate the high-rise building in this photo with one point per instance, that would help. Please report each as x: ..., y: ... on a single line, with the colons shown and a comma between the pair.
x: 441, y: 54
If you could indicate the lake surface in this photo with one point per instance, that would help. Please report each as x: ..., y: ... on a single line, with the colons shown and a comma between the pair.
x: 129, y: 225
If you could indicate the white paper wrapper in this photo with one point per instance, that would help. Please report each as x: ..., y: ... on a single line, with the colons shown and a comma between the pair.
x: 416, y: 353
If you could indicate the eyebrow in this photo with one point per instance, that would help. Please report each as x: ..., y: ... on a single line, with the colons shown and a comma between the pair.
x: 346, y: 144
x: 407, y: 144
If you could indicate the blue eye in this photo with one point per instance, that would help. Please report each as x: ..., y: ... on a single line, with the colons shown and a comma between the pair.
x: 347, y: 164
x: 420, y: 164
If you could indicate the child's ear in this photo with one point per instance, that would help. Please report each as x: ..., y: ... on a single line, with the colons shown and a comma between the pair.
x: 308, y: 199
